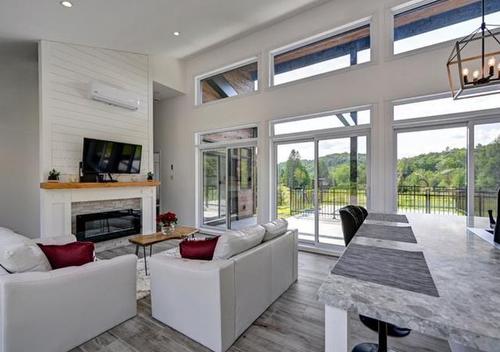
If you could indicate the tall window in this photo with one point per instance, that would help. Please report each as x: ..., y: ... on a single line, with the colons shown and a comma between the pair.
x: 320, y: 170
x: 229, y: 178
x: 440, y: 21
x: 324, y: 53
x: 239, y: 80
x: 448, y: 156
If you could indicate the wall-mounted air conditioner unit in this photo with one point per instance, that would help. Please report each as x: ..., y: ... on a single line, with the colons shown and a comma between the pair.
x: 113, y: 96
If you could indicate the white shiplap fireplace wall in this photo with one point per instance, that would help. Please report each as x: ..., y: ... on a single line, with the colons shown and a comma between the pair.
x: 67, y: 115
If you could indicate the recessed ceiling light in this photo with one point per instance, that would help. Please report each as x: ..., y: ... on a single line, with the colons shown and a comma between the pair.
x: 66, y: 3
x: 177, y: 34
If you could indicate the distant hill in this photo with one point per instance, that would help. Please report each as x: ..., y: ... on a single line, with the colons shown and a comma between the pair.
x: 443, y: 169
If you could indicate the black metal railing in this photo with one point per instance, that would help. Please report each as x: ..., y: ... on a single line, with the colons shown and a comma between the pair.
x: 435, y: 200
x: 444, y: 200
x: 330, y: 200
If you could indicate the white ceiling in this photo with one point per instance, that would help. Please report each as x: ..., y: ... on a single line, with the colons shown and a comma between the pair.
x: 143, y: 26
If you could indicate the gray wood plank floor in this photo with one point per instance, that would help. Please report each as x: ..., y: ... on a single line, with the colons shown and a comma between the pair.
x: 295, y: 322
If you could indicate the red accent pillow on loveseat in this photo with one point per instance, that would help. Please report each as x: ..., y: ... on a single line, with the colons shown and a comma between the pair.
x: 198, y: 249
x: 70, y: 254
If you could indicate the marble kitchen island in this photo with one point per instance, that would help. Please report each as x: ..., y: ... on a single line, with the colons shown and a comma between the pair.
x: 465, y: 270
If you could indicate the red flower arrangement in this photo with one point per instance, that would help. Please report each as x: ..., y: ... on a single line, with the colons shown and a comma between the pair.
x: 167, y: 218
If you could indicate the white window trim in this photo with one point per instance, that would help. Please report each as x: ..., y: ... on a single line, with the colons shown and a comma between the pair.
x: 315, y: 38
x: 198, y: 78
x: 198, y: 135
x: 438, y: 119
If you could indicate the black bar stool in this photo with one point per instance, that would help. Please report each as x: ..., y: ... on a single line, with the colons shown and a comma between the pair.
x: 352, y: 217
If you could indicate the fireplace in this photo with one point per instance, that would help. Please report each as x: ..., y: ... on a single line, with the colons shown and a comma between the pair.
x: 107, y: 225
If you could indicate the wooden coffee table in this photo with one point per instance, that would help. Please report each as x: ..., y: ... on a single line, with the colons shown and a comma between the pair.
x: 149, y: 240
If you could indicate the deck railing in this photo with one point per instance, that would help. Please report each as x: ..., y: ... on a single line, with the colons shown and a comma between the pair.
x: 330, y: 200
x: 416, y: 199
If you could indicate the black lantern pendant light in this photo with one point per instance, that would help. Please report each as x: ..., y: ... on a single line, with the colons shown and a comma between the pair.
x: 477, y: 74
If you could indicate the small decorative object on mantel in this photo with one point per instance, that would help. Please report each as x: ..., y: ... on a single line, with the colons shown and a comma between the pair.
x: 167, y: 222
x: 477, y: 53
x: 150, y: 176
x: 54, y: 175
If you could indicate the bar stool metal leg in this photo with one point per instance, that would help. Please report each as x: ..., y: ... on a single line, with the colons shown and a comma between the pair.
x: 382, y: 336
x: 373, y: 347
x: 145, y: 263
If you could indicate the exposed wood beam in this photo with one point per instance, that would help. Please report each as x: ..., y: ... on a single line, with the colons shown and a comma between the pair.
x: 240, y: 80
x: 324, y: 44
x: 220, y: 83
x: 430, y: 10
x: 209, y: 94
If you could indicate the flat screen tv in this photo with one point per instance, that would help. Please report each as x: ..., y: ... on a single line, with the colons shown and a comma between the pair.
x: 107, y: 157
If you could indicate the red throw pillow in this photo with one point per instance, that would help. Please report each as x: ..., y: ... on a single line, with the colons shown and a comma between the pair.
x: 70, y: 254
x: 198, y: 249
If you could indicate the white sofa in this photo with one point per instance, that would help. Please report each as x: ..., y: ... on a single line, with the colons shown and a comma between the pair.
x: 214, y: 302
x: 57, y: 310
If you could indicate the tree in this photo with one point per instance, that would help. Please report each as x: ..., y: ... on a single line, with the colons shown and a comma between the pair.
x: 295, y: 175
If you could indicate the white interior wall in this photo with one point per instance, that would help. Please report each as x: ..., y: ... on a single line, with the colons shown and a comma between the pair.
x: 168, y: 71
x: 379, y: 82
x: 19, y: 188
x: 67, y: 114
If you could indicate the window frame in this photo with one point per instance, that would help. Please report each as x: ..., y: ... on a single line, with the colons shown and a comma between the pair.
x: 466, y: 119
x: 437, y: 119
x: 315, y: 137
x: 202, y: 147
x: 198, y: 95
x: 326, y: 131
x: 244, y: 141
x: 315, y: 38
x: 407, y: 6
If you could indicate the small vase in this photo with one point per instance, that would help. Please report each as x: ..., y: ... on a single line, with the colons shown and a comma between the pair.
x: 165, y: 229
x: 172, y: 227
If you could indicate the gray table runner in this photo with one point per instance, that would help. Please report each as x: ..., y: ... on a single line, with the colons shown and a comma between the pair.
x: 387, y: 232
x: 387, y: 217
x: 389, y: 267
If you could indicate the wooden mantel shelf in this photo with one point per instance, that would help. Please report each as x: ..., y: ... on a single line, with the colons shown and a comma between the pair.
x: 85, y: 185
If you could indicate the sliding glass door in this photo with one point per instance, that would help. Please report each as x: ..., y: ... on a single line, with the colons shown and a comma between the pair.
x: 341, y: 181
x: 229, y: 187
x: 317, y: 177
x: 450, y: 170
x: 295, y: 187
x: 214, y: 187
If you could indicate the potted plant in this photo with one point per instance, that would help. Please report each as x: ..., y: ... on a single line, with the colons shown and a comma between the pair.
x: 54, y: 175
x: 150, y: 176
x: 167, y: 222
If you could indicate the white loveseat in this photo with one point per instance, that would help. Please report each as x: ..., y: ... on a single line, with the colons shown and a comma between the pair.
x: 55, y: 311
x: 214, y: 302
